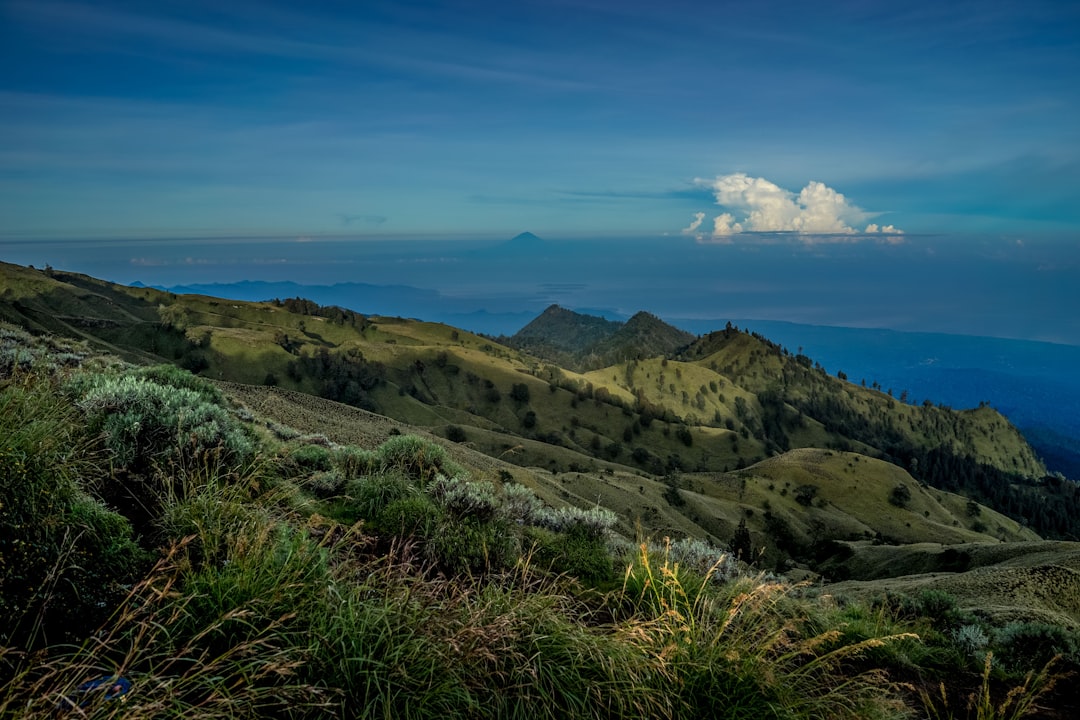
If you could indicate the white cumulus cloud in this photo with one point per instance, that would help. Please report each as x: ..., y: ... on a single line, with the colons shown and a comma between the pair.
x: 887, y: 229
x: 692, y: 228
x: 724, y: 225
x: 758, y: 205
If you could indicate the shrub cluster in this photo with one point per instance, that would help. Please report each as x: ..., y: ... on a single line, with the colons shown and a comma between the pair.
x: 143, y: 421
x: 63, y: 555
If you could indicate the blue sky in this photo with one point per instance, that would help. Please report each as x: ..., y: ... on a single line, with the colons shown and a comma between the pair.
x: 172, y: 119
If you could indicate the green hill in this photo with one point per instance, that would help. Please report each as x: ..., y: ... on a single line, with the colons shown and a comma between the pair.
x: 480, y: 533
x: 640, y: 426
x: 584, y: 342
x: 559, y: 335
x: 182, y: 544
x: 1008, y: 583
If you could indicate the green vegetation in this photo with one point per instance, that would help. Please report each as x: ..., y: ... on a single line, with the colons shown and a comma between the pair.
x: 249, y: 549
x: 317, y: 579
x: 656, y: 400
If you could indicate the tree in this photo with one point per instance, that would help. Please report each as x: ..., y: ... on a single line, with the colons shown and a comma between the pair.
x: 173, y: 316
x: 805, y: 494
x: 519, y: 392
x: 900, y: 495
x: 741, y: 544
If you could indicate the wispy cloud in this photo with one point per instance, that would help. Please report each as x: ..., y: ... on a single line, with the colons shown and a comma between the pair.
x: 304, y: 39
x: 754, y: 204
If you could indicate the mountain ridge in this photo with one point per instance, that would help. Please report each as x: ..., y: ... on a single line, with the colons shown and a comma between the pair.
x: 722, y: 403
x: 587, y: 342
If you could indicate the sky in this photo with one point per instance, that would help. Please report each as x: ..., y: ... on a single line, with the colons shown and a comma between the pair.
x: 707, y: 120
x: 910, y: 165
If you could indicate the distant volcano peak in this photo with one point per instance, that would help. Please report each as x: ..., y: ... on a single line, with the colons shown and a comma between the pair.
x: 526, y: 238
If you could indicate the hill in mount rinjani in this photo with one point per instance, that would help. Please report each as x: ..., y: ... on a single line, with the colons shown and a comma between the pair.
x: 680, y: 435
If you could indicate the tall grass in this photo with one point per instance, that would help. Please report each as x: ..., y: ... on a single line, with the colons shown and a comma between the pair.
x: 1018, y: 702
x: 63, y: 555
x: 746, y: 649
x: 158, y: 641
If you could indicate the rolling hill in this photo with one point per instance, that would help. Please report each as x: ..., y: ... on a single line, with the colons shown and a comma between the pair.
x: 670, y: 416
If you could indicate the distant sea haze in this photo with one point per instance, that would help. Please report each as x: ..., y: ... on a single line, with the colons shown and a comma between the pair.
x: 1008, y: 287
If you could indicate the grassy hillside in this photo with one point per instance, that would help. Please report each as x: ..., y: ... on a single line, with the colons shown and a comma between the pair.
x: 227, y: 550
x: 1006, y: 583
x: 727, y: 401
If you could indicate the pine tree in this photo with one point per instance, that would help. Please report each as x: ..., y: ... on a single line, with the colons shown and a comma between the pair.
x: 741, y: 544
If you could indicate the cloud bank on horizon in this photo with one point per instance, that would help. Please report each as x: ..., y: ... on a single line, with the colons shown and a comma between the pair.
x: 754, y: 204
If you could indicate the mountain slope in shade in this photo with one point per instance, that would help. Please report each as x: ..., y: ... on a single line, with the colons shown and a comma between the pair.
x: 562, y: 331
x: 643, y: 335
x: 586, y: 342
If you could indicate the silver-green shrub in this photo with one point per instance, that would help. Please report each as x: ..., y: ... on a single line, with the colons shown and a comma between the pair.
x: 520, y: 504
x: 971, y: 640
x: 143, y: 422
x: 594, y: 522
x: 704, y: 558
x: 464, y: 498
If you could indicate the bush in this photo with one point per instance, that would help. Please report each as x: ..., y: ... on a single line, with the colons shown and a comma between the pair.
x: 465, y: 499
x: 519, y: 392
x: 143, y: 422
x: 368, y: 496
x: 326, y: 483
x: 520, y: 504
x: 353, y: 462
x: 805, y: 494
x: 971, y: 641
x: 936, y: 605
x: 455, y: 433
x: 150, y: 431
x: 172, y: 376
x: 63, y: 555
x: 470, y: 545
x: 312, y: 458
x: 576, y: 554
x: 1022, y: 647
x: 900, y: 496
x: 414, y: 516
x: 593, y: 523
x: 702, y: 558
x: 419, y: 459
